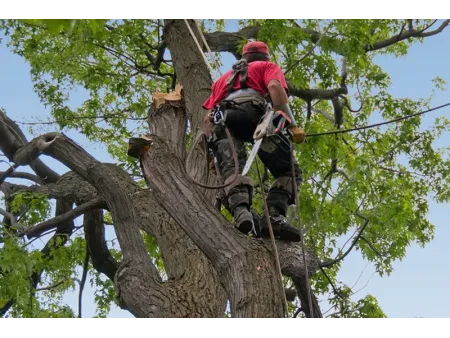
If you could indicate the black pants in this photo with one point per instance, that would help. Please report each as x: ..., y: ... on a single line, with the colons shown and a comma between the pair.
x: 242, y: 121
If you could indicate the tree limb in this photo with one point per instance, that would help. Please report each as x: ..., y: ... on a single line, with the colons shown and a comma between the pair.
x: 228, y: 41
x: 338, y: 259
x: 101, y: 257
x: 7, y: 306
x: 5, y: 174
x: 372, y: 247
x: 12, y: 139
x: 336, y: 291
x: 313, y: 94
x: 52, y: 286
x: 83, y: 282
x: 24, y: 175
x: 72, y: 214
x: 9, y: 216
x: 403, y: 35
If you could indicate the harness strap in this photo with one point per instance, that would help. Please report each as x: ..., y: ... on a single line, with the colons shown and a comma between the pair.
x: 239, y: 68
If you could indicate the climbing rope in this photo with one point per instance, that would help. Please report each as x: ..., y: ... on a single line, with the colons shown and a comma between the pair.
x: 266, y: 212
x: 298, y: 217
x: 272, y: 239
x: 207, y: 48
x: 235, y: 159
x: 341, y: 131
x: 200, y: 48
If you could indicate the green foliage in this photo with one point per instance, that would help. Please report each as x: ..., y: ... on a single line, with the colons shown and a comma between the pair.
x: 34, y: 207
x: 104, y: 295
x: 343, y: 307
x: 155, y: 254
x: 386, y: 175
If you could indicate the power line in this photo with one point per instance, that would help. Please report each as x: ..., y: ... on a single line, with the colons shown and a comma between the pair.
x: 377, y: 124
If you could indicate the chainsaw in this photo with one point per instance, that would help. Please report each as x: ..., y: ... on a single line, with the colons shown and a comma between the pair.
x: 272, y: 134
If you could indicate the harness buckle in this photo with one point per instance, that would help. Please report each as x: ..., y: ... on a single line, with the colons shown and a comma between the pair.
x: 218, y: 115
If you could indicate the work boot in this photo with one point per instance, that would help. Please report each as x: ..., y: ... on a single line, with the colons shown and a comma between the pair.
x: 243, y: 219
x: 281, y: 228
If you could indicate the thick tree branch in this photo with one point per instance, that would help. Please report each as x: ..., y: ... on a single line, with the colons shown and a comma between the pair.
x: 59, y: 239
x: 18, y: 174
x: 314, y: 94
x: 5, y: 174
x: 9, y: 216
x: 5, y: 308
x: 292, y: 266
x: 12, y: 139
x: 71, y: 215
x: 228, y: 42
x: 94, y: 229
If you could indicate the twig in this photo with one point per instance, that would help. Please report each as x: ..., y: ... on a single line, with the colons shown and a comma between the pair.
x: 399, y: 172
x: 334, y: 261
x: 76, y: 118
x: 311, y: 49
x: 431, y: 24
x: 401, y: 30
x: 52, y: 286
x: 360, y: 275
x: 367, y: 283
x: 331, y: 283
x: 372, y: 247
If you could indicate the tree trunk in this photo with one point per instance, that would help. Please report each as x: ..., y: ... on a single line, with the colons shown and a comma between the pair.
x: 207, y: 261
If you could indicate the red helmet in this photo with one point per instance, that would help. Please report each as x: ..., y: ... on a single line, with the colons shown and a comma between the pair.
x: 255, y: 47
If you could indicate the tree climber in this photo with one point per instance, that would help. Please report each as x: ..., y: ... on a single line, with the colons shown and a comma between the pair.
x: 240, y: 94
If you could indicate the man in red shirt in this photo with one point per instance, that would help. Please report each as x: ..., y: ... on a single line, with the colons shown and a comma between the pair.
x: 241, y: 94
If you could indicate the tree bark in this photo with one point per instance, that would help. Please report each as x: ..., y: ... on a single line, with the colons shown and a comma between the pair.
x: 207, y: 261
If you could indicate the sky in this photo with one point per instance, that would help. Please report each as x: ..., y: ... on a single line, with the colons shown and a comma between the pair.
x: 419, y: 286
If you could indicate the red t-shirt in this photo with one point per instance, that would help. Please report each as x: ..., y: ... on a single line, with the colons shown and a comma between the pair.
x: 259, y: 75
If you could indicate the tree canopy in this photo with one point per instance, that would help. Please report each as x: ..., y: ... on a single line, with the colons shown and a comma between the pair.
x: 370, y: 186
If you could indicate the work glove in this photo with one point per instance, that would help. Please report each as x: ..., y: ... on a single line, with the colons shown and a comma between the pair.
x: 298, y: 134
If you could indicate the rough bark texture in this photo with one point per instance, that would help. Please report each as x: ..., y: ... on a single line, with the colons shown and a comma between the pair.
x: 207, y: 261
x: 196, y: 80
x: 94, y: 230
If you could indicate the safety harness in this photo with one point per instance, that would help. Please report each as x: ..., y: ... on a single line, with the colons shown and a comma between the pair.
x: 239, y: 68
